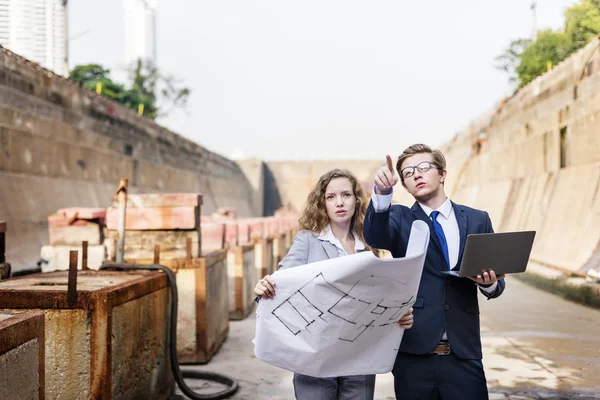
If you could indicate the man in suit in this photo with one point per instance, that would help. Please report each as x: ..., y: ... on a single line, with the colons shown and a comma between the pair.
x: 440, y: 357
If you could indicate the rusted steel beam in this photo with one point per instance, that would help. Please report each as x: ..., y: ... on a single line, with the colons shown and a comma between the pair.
x: 72, y: 283
x: 84, y: 255
x: 157, y: 254
x: 2, y: 241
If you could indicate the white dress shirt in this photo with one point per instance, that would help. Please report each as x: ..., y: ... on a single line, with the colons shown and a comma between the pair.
x: 447, y: 220
x: 328, y: 236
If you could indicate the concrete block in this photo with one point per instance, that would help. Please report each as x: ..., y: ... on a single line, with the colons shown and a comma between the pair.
x: 140, y: 244
x: 213, y: 236
x: 22, y: 355
x: 75, y: 234
x: 241, y: 273
x: 203, y: 317
x: 243, y: 232
x: 57, y: 257
x: 257, y: 230
x: 231, y: 234
x: 111, y: 343
x: 272, y: 226
x: 155, y: 218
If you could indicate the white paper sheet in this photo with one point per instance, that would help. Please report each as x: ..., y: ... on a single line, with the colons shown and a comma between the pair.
x: 339, y: 317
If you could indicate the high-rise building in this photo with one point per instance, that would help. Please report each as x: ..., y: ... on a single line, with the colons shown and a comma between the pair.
x: 34, y: 29
x: 140, y: 30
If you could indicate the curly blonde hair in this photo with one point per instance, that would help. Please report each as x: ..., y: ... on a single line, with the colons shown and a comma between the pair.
x: 314, y: 217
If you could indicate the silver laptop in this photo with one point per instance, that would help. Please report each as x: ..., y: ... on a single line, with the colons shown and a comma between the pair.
x: 504, y: 253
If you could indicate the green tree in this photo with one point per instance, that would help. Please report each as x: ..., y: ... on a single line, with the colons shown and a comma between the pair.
x: 143, y: 78
x: 582, y: 22
x: 550, y: 47
x: 524, y: 60
x: 511, y: 58
x: 141, y: 93
x: 90, y: 75
x: 152, y: 87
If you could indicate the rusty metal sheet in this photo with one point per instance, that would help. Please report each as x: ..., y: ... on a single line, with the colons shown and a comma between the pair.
x: 19, y: 328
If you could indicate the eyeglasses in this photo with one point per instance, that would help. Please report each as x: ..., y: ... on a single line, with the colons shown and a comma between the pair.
x: 422, y: 167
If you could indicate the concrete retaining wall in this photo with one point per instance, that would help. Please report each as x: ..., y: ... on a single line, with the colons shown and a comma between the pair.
x: 534, y: 163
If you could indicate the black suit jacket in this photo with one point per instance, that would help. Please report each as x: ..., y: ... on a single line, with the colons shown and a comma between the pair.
x: 443, y: 302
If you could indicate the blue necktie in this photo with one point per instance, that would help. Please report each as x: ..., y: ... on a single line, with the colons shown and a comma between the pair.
x: 440, y: 234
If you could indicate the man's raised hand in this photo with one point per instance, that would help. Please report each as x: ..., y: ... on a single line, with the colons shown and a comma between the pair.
x: 385, y: 178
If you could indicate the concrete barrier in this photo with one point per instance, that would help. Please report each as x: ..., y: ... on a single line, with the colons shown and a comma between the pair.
x: 203, y: 317
x: 22, y: 355
x: 570, y: 238
x: 241, y: 272
x: 111, y: 343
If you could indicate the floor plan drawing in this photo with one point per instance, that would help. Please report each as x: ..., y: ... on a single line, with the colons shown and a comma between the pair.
x: 304, y: 310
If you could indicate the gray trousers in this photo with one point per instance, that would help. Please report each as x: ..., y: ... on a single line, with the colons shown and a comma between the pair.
x: 357, y: 387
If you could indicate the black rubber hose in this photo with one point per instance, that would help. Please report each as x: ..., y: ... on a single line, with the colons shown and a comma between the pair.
x: 232, y: 385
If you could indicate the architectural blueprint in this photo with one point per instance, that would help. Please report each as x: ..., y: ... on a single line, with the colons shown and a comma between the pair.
x: 340, y: 316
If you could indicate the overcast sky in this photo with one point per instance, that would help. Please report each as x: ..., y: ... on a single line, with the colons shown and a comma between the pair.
x: 277, y: 79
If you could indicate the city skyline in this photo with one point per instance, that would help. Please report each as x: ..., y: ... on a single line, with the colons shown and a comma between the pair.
x: 34, y: 29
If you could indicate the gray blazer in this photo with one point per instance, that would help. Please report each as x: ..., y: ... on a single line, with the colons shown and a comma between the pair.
x: 308, y: 248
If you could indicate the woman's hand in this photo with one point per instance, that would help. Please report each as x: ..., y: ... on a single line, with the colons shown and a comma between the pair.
x: 406, y: 322
x: 265, y: 287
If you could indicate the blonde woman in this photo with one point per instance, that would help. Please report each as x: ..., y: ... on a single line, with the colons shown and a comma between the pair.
x: 331, y: 226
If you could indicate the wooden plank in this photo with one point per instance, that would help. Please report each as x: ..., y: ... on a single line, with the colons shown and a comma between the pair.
x: 155, y: 218
x: 161, y: 200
